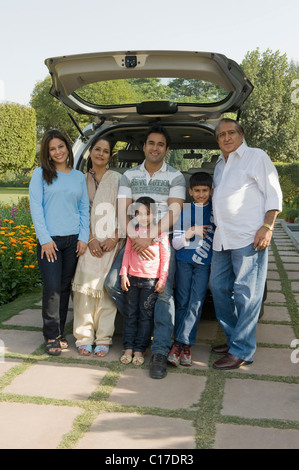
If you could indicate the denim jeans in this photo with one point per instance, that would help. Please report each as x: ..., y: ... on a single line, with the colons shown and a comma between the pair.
x: 139, y: 310
x: 191, y: 281
x: 57, y: 277
x: 237, y: 284
x: 164, y: 307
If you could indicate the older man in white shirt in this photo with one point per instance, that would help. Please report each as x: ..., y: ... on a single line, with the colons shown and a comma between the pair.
x: 246, y: 200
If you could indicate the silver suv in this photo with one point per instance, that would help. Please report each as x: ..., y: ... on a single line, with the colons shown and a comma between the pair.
x: 193, y: 90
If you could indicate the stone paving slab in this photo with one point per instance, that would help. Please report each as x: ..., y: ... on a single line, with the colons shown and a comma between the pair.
x: 271, y: 361
x: 273, y: 285
x: 55, y: 380
x: 274, y: 334
x: 272, y: 267
x: 275, y: 313
x: 31, y: 317
x: 133, y: 431
x: 275, y: 297
x: 135, y: 388
x: 261, y: 399
x: 231, y: 436
x: 22, y: 342
x: 273, y: 275
x: 295, y: 286
x: 28, y: 426
x: 293, y: 275
x: 291, y: 266
x: 292, y: 258
x: 6, y: 365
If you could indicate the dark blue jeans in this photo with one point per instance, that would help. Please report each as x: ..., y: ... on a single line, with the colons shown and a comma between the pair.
x: 138, y: 313
x: 57, y: 277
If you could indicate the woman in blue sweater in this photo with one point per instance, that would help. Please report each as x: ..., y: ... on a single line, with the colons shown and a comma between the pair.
x: 59, y: 208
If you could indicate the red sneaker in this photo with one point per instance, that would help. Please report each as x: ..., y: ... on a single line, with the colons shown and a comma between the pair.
x: 186, y: 357
x: 174, y: 354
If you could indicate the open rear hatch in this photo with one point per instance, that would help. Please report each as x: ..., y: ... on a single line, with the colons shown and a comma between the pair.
x: 200, y: 85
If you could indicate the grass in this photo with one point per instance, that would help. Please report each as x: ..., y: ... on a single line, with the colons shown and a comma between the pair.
x: 204, y: 415
x: 12, y: 195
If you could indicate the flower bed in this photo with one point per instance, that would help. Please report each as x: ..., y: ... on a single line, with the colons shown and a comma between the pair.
x: 19, y: 271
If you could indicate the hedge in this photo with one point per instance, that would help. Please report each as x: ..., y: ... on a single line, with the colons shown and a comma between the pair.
x: 17, y: 137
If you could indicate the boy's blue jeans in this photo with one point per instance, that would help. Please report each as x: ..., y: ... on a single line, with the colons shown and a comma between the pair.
x: 237, y: 284
x: 191, y: 281
x: 164, y: 307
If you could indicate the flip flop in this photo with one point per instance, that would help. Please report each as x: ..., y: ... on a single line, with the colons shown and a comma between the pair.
x: 101, y: 348
x: 53, y: 347
x: 126, y: 359
x: 138, y: 360
x: 63, y: 342
x: 85, y: 350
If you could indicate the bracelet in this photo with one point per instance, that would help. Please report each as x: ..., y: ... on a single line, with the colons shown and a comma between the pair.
x: 91, y: 240
x: 114, y: 240
x: 270, y: 227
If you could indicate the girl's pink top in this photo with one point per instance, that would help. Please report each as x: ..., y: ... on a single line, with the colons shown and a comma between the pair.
x: 156, y: 268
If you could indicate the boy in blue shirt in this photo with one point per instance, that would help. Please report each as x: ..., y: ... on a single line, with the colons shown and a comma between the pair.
x: 193, y: 238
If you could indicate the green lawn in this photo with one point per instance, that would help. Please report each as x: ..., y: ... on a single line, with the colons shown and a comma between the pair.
x: 11, y: 195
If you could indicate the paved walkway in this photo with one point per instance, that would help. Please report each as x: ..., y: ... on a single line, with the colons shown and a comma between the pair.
x: 91, y: 403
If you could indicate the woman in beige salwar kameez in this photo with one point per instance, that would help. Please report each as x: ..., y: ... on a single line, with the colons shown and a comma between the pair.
x: 94, y: 311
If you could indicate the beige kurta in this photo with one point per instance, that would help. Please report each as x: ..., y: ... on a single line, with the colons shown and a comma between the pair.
x: 94, y: 311
x: 92, y: 271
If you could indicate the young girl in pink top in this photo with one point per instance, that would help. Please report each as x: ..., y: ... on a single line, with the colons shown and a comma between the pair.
x: 142, y: 280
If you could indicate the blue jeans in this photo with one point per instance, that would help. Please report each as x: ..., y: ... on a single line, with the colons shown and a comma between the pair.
x: 139, y: 310
x: 237, y: 284
x: 191, y: 281
x: 57, y: 277
x: 164, y: 308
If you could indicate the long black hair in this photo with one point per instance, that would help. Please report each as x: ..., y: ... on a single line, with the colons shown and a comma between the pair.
x: 47, y: 164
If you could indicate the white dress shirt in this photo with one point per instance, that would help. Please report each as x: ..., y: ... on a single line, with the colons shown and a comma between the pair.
x: 245, y: 188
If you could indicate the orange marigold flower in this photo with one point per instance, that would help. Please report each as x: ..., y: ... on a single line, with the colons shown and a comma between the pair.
x: 31, y: 266
x: 3, y: 247
x: 18, y: 257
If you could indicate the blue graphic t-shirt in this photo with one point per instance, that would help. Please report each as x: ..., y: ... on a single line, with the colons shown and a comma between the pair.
x: 198, y: 250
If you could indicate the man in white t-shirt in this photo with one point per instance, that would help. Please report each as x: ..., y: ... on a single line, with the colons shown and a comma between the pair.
x: 246, y: 200
x: 166, y: 185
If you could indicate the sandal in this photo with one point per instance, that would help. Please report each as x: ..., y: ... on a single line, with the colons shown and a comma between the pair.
x: 102, y: 349
x: 126, y: 359
x: 85, y: 350
x: 138, y: 360
x: 63, y: 342
x: 54, y: 345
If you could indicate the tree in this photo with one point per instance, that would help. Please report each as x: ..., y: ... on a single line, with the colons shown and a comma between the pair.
x: 17, y: 137
x: 50, y: 113
x: 269, y: 116
x: 196, y: 91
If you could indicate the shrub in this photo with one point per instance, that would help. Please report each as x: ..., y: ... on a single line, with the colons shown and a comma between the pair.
x: 17, y: 137
x: 19, y: 271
